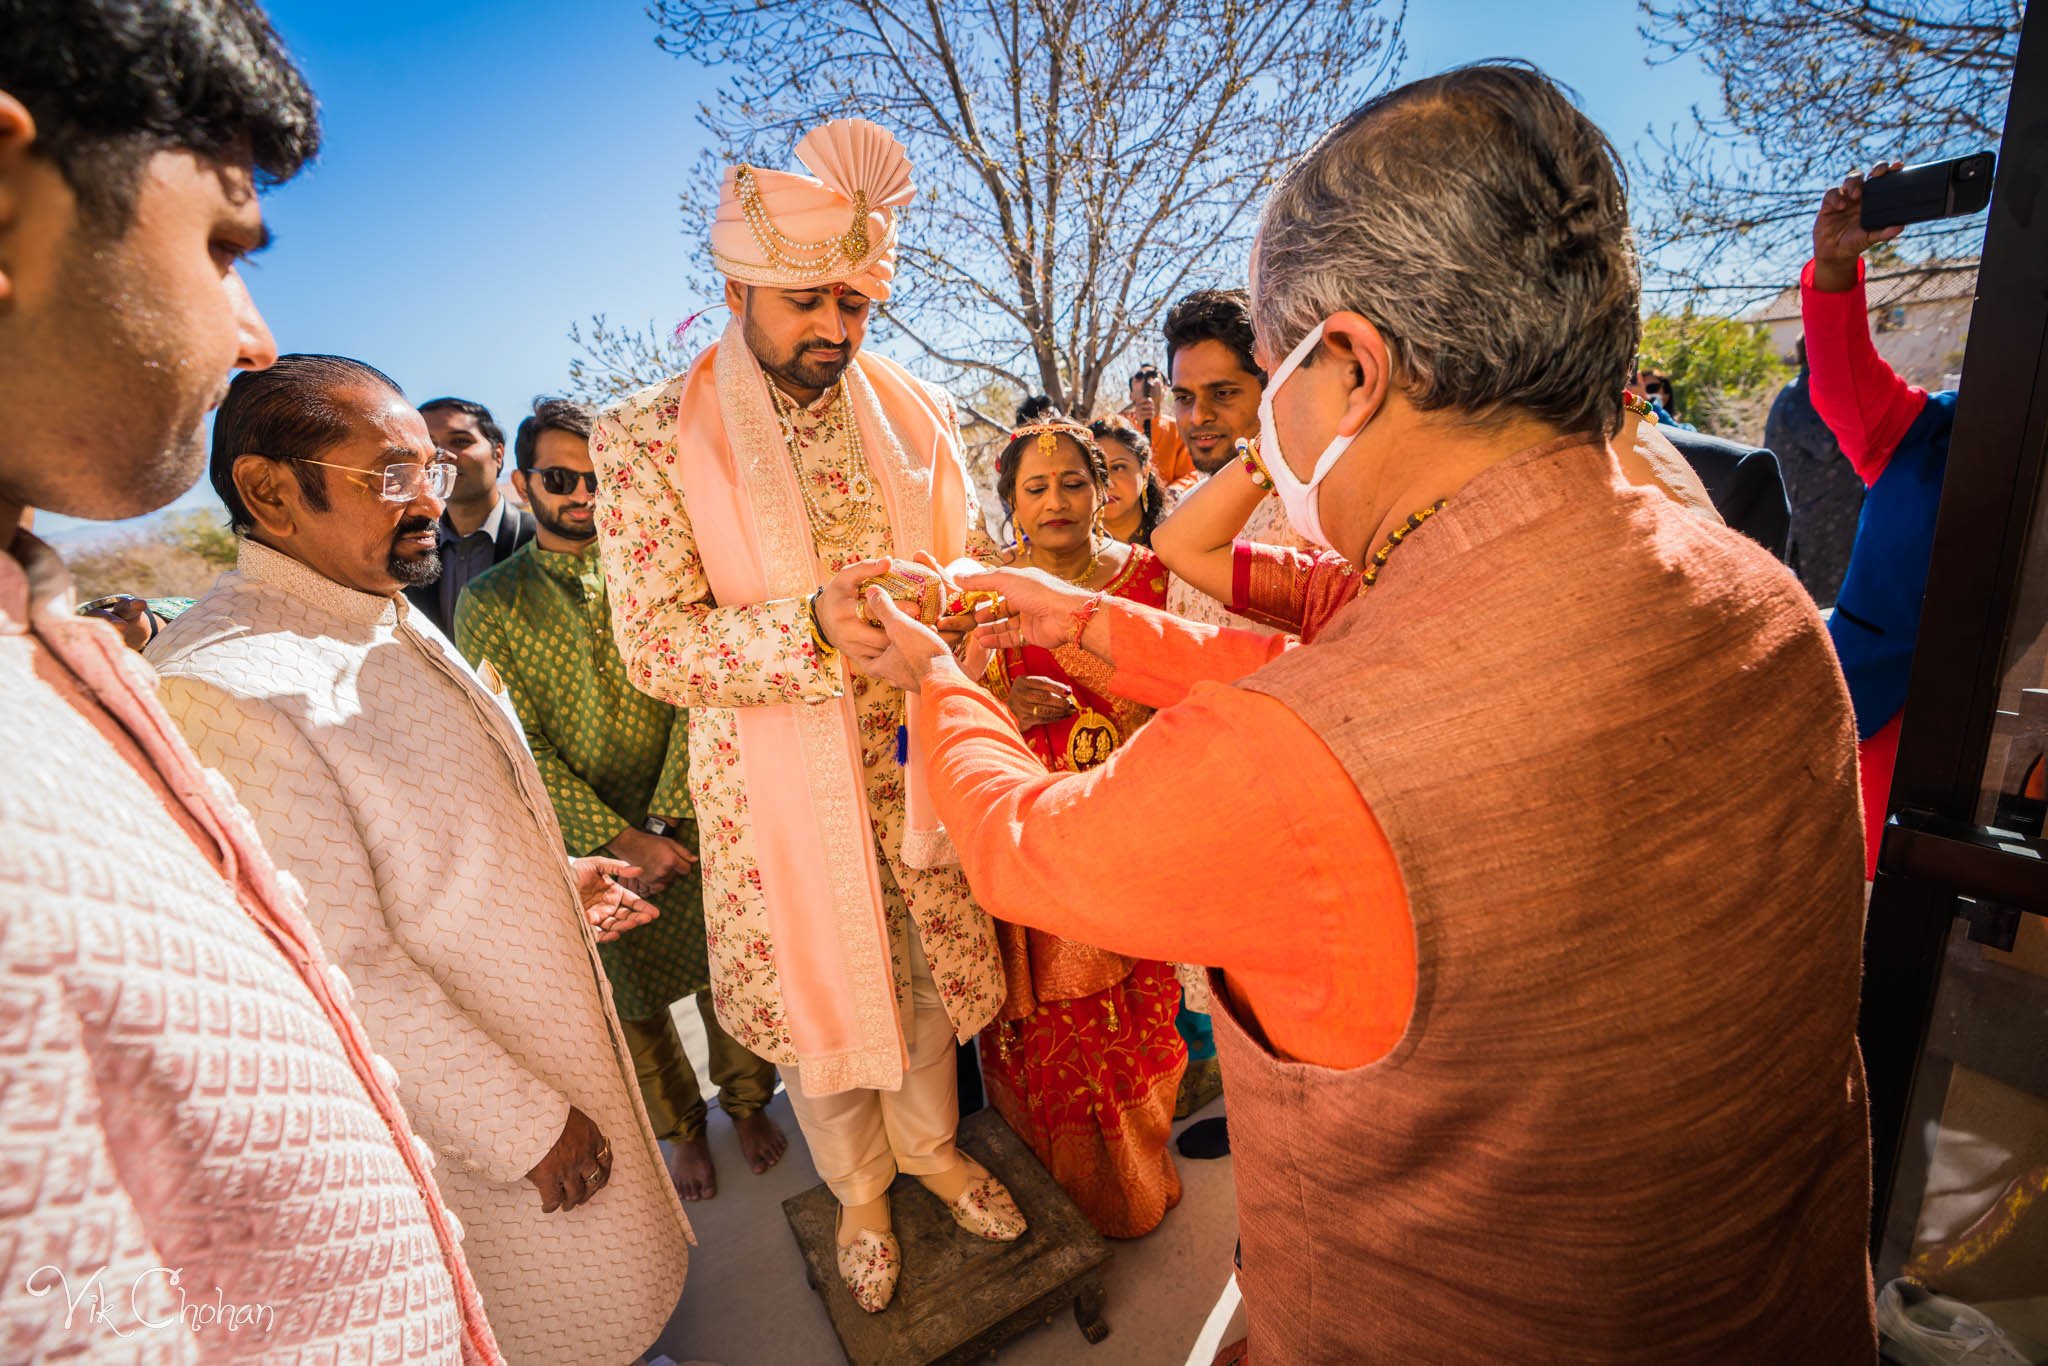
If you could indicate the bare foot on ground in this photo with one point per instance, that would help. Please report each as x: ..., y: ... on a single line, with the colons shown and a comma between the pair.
x: 689, y: 1166
x: 761, y: 1141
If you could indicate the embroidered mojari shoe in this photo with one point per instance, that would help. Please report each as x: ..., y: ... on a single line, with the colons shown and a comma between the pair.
x: 870, y: 1265
x: 986, y: 1210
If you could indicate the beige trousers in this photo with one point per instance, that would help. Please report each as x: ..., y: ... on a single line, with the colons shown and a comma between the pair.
x: 859, y: 1140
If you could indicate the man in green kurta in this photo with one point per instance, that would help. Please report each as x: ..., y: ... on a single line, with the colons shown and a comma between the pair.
x: 616, y: 763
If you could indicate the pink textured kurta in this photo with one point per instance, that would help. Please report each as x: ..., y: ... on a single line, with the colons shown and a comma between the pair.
x: 182, y: 1086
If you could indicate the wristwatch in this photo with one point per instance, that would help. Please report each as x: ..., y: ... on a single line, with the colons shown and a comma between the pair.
x: 655, y: 825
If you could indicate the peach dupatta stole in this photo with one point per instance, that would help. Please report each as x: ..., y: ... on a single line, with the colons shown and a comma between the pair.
x: 801, y: 762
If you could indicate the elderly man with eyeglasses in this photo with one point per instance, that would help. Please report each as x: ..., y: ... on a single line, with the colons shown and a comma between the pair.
x: 399, y: 790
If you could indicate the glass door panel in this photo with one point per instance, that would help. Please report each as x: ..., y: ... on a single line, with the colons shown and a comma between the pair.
x: 1954, y: 1021
x: 1969, y: 1220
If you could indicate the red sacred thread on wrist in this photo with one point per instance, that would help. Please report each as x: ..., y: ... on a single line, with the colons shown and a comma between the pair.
x: 1083, y: 614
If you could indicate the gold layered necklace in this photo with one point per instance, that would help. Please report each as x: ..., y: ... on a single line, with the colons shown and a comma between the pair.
x: 849, y: 531
x: 1094, y: 561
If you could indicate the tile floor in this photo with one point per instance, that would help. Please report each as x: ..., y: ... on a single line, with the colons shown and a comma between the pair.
x: 746, y: 1303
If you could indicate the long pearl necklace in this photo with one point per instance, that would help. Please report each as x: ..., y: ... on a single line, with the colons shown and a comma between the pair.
x: 851, y: 529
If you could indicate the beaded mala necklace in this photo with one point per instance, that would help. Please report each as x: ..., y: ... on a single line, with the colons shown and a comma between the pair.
x: 1371, y: 573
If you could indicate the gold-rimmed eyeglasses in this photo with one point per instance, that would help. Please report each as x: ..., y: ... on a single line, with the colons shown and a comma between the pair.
x: 400, y: 483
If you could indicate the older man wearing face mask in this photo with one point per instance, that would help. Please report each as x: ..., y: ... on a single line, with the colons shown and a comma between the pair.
x: 401, y: 793
x: 1522, y: 1065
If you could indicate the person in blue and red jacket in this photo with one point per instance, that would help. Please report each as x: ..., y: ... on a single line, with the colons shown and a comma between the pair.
x: 1896, y: 435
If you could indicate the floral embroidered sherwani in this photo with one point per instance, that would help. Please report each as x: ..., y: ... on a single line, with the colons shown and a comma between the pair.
x: 681, y: 646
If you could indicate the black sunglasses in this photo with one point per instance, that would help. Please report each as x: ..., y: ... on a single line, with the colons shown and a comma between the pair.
x: 559, y: 481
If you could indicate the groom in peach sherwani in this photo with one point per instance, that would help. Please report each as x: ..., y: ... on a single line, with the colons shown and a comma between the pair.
x: 739, y: 506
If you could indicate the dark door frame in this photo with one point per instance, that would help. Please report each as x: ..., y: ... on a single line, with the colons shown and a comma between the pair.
x: 1931, y: 852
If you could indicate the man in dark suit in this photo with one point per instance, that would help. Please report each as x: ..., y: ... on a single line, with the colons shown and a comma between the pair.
x: 1825, y: 490
x: 1745, y: 484
x: 479, y: 527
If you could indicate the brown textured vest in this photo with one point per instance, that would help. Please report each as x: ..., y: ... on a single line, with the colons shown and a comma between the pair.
x: 1613, y: 753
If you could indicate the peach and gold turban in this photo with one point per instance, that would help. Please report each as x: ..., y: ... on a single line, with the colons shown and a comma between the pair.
x: 834, y: 226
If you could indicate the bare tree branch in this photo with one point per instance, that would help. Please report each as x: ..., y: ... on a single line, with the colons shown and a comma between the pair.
x: 612, y: 362
x: 1810, y: 90
x: 1079, y: 162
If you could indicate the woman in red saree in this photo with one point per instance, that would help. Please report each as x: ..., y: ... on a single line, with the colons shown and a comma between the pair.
x: 1083, y: 1061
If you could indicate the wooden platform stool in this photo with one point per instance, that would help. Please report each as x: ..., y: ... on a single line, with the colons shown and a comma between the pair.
x: 959, y: 1297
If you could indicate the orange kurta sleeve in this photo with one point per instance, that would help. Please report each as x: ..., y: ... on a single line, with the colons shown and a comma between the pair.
x: 1272, y: 868
x: 1160, y: 656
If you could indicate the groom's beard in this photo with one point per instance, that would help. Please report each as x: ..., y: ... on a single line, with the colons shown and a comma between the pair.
x: 811, y: 374
x: 793, y: 368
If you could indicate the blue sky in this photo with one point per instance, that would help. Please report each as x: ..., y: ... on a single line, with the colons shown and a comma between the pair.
x: 494, y: 172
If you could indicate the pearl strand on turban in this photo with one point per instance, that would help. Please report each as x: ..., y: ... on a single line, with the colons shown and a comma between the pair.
x: 836, y: 225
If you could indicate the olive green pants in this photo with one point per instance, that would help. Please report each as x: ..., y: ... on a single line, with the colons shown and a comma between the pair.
x: 668, y: 1084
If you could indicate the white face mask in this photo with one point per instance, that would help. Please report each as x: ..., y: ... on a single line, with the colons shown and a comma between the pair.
x: 1297, y: 497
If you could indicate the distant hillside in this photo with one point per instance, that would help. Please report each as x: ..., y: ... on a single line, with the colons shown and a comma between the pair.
x: 70, y: 532
x: 176, y: 553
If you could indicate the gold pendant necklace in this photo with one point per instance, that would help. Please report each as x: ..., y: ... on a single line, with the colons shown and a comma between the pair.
x: 1094, y: 561
x: 851, y: 529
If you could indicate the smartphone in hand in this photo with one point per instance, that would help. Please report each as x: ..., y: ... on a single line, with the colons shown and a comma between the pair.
x: 1920, y: 194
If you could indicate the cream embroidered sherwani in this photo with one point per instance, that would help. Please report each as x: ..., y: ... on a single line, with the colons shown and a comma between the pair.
x: 681, y: 646
x: 402, y: 795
